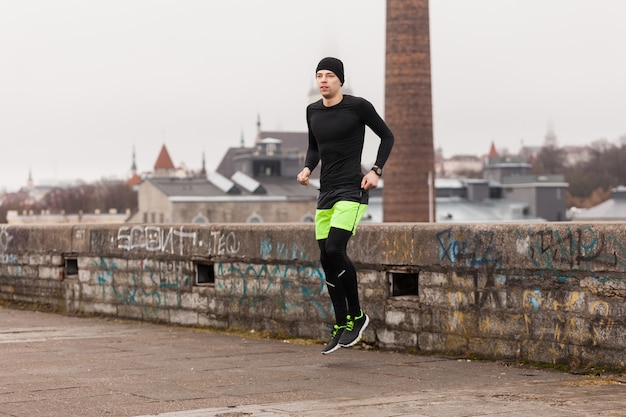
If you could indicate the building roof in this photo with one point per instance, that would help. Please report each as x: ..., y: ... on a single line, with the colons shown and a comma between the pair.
x: 174, y: 186
x: 226, y: 166
x: 507, y: 162
x: 465, y: 158
x: 609, y: 210
x: 134, y: 180
x: 164, y: 161
x: 556, y: 180
x: 290, y: 140
x: 492, y: 151
x: 198, y: 189
x: 461, y: 210
x: 449, y: 183
x: 289, y: 187
x: 612, y: 209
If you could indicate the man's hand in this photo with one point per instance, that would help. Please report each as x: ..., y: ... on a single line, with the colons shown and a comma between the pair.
x: 303, y: 176
x: 369, y: 181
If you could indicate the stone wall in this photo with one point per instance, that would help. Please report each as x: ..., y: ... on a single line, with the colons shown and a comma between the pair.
x: 552, y: 293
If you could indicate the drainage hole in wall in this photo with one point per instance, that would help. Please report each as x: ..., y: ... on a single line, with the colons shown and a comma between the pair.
x: 71, y: 266
x: 404, y: 284
x: 205, y: 274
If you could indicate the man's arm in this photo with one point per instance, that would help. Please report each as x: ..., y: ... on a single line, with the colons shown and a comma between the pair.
x: 312, y: 156
x: 373, y: 120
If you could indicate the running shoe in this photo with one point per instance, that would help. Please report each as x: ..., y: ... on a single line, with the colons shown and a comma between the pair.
x: 354, y: 330
x: 333, y: 345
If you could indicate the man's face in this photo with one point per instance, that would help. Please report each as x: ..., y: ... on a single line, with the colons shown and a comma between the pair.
x: 328, y: 83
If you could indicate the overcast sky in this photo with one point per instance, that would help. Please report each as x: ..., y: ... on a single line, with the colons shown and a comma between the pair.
x: 83, y: 82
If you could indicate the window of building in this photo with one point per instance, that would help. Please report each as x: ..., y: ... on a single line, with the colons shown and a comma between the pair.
x: 254, y: 218
x: 200, y: 218
x: 267, y: 168
x: 308, y: 218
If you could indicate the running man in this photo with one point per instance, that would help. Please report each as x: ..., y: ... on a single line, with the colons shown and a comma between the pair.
x: 336, y: 125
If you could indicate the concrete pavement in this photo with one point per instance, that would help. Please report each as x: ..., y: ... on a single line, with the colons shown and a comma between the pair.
x: 55, y: 365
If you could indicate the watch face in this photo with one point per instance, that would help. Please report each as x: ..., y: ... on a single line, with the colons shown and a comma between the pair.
x: 378, y: 171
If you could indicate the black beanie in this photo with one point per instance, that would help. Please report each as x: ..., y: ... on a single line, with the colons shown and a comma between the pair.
x: 332, y: 64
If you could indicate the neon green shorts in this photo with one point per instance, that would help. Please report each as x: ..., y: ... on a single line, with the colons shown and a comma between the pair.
x: 344, y: 215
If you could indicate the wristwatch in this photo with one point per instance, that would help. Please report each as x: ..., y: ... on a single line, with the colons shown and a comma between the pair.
x: 377, y: 170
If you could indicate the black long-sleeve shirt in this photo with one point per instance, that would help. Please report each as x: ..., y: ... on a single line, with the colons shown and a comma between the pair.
x: 336, y: 137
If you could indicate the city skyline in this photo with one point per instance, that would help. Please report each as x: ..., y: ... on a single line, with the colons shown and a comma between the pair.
x: 88, y: 82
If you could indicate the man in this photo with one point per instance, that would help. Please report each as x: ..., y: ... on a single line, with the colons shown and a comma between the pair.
x: 336, y: 125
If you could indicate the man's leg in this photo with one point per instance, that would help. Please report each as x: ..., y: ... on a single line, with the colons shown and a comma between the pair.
x: 356, y: 320
x: 336, y: 251
x: 344, y: 218
x: 334, y: 284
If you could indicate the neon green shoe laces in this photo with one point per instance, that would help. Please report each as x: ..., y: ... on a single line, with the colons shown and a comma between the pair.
x: 350, y: 324
x: 336, y: 329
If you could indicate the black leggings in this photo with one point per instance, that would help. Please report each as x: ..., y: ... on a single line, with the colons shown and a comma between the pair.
x: 340, y: 274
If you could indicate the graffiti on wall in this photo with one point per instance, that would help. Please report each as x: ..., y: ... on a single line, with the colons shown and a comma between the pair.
x: 253, y: 283
x: 565, y: 328
x: 559, y: 253
x: 563, y: 253
x: 6, y: 257
x: 477, y: 254
x: 148, y: 288
x: 174, y: 240
x: 154, y: 239
x: 244, y: 283
x: 269, y: 249
x: 256, y: 284
x: 464, y: 247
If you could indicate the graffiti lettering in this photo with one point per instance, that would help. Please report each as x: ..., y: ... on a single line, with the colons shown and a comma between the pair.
x: 280, y: 250
x: 5, y: 239
x: 563, y: 253
x: 147, y: 289
x: 254, y: 283
x: 223, y: 243
x: 571, y: 249
x: 458, y: 250
x: 564, y: 325
x: 8, y: 258
x: 478, y: 252
x: 154, y: 239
